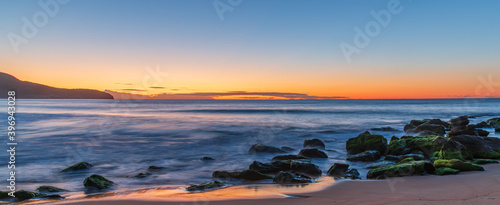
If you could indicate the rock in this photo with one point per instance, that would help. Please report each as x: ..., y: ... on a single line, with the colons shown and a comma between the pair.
x: 485, y: 161
x: 303, y: 166
x: 493, y: 121
x: 457, y: 164
x: 437, y: 122
x: 352, y: 174
x: 142, y: 175
x: 314, y: 143
x: 97, y: 181
x: 463, y: 130
x: 20, y: 195
x: 385, y: 129
x: 338, y: 170
x: 206, y: 186
x: 260, y: 148
x: 416, y: 157
x: 397, y: 147
x: 78, y: 166
x: 399, y: 170
x: 313, y: 153
x: 288, y: 177
x: 428, y: 130
x: 482, y: 133
x: 427, y: 145
x: 366, y: 156
x: 406, y: 160
x: 497, y: 128
x: 479, y: 147
x: 451, y: 150
x: 50, y: 189
x: 288, y: 149
x: 384, y: 163
x: 155, y: 168
x: 482, y: 124
x: 266, y: 167
x: 366, y: 141
x: 207, y: 159
x: 287, y: 157
x: 446, y: 171
x: 460, y: 121
x: 246, y: 175
x: 395, y: 158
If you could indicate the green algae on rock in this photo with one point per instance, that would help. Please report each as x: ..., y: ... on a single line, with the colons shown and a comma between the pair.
x: 206, y: 186
x: 446, y: 171
x: 50, y: 189
x: 404, y: 169
x: 78, y: 166
x: 457, y: 164
x: 366, y: 141
x: 485, y: 161
x: 97, y: 181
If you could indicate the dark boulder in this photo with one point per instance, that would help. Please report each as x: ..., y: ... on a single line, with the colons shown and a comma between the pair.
x: 78, y: 166
x: 155, y: 168
x: 338, y: 170
x: 493, y: 121
x: 463, y: 130
x: 482, y: 133
x: 314, y: 143
x: 142, y: 175
x: 385, y: 129
x: 20, y: 195
x: 97, y: 181
x: 251, y: 175
x: 384, y: 163
x: 451, y: 150
x: 479, y: 147
x: 288, y: 149
x: 352, y: 174
x: 366, y: 141
x: 482, y: 124
x: 313, y: 153
x: 366, y: 156
x: 207, y: 159
x: 287, y: 157
x: 206, y: 186
x: 460, y: 121
x: 288, y: 177
x: 303, y: 166
x: 260, y: 148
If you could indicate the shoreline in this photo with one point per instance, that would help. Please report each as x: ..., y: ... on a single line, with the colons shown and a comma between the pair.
x: 477, y: 187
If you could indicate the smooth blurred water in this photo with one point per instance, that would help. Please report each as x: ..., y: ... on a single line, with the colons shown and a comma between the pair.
x: 124, y: 137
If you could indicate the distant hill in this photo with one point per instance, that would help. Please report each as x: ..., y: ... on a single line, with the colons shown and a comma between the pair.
x: 29, y: 90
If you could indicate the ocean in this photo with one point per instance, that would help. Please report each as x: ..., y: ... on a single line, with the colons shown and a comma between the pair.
x: 122, y: 138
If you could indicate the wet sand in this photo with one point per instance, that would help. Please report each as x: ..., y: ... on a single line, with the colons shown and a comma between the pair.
x: 464, y: 188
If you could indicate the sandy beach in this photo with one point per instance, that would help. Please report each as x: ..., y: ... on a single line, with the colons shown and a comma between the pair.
x: 464, y: 188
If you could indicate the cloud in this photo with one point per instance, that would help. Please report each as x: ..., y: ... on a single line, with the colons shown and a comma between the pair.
x: 124, y: 83
x: 224, y: 95
x: 154, y: 87
x: 130, y: 89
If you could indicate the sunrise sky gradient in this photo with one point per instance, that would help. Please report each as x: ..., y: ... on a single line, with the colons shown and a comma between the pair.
x: 432, y: 49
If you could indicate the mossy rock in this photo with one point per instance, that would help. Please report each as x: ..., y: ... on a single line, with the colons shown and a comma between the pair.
x: 451, y: 150
x: 78, y: 166
x: 97, y: 181
x: 397, y: 147
x: 352, y: 174
x: 482, y: 133
x: 427, y: 145
x: 261, y: 148
x: 457, y: 164
x: 400, y: 170
x: 406, y: 160
x: 366, y: 141
x: 485, y: 161
x: 50, y: 189
x: 20, y: 195
x: 446, y: 171
x: 206, y: 186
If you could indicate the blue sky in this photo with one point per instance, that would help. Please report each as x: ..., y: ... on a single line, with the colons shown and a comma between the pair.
x: 275, y: 36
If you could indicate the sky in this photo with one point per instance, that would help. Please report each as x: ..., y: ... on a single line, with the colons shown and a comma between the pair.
x: 425, y: 49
